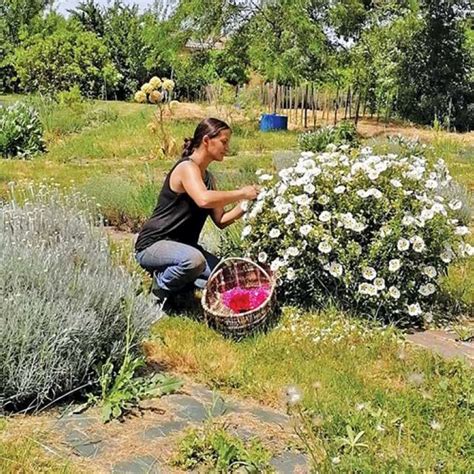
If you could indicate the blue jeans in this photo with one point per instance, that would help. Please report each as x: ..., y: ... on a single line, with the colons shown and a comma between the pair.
x: 175, y: 266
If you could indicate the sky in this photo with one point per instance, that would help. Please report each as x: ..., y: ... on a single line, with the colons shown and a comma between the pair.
x: 63, y: 5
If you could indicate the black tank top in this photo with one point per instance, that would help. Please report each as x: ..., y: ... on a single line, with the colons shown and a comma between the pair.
x: 176, y: 216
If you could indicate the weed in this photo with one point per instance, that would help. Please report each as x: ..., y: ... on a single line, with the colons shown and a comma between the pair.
x: 213, y: 448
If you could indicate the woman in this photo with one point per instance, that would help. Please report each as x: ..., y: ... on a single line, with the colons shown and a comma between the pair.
x: 167, y: 245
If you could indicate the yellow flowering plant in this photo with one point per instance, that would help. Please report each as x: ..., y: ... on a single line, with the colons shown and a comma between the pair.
x: 158, y: 91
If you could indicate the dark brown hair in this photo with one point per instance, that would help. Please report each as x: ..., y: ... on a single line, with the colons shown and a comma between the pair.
x: 210, y: 127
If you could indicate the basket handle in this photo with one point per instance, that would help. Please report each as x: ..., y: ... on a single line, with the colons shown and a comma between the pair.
x: 235, y: 259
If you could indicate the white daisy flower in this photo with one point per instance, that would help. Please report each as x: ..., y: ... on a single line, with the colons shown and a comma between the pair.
x: 394, y: 292
x: 429, y: 271
x: 309, y: 188
x: 274, y: 233
x: 376, y: 193
x: 325, y: 216
x: 335, y: 269
x: 324, y: 247
x: 373, y: 175
x: 364, y: 288
x: 265, y: 177
x: 462, y: 230
x: 323, y: 199
x: 427, y: 214
x: 379, y: 283
x: 262, y: 257
x: 408, y: 220
x: 362, y: 193
x: 290, y: 219
x: 414, y: 309
x: 292, y: 251
x: 276, y: 264
x: 395, y: 183
x: 290, y: 274
x: 394, y: 265
x: 403, y: 244
x: 246, y: 231
x: 302, y: 199
x: 427, y: 290
x: 358, y: 227
x: 339, y: 189
x: 369, y: 273
x: 431, y: 184
x: 305, y: 229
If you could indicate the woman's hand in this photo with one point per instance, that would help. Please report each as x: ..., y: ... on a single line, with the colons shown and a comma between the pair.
x: 250, y: 192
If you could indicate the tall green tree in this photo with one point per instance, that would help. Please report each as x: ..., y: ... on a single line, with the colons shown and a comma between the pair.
x: 90, y: 15
x: 123, y: 36
x: 435, y: 77
x: 15, y: 17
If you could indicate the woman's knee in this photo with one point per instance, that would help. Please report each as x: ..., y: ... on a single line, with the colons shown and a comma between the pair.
x: 195, y: 262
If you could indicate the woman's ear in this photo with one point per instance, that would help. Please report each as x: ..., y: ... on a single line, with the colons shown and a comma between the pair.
x: 205, y: 140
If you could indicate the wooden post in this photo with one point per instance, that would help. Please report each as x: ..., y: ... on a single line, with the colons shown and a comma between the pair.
x: 290, y: 105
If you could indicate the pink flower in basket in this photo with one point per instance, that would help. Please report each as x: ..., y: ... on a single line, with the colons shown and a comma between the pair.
x: 244, y: 299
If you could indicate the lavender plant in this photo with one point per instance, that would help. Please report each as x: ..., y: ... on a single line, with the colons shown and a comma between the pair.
x: 63, y: 304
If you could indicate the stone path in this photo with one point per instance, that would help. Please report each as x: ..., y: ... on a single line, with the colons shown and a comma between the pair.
x: 146, y: 442
x: 444, y: 343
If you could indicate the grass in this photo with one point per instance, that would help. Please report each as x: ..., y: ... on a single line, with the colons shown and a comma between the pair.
x: 415, y: 409
x: 23, y: 453
x: 349, y: 375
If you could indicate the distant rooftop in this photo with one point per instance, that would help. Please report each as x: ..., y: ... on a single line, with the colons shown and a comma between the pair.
x: 199, y: 45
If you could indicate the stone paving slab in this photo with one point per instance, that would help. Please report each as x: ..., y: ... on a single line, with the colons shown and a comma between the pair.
x: 445, y: 344
x: 146, y: 441
x: 138, y: 465
x: 290, y: 463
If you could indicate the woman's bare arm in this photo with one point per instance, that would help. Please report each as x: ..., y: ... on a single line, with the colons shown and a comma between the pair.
x: 189, y: 178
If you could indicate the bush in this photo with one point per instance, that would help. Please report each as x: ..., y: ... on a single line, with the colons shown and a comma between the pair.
x: 64, y: 307
x: 341, y: 134
x: 71, y: 97
x: 372, y: 232
x: 21, y: 132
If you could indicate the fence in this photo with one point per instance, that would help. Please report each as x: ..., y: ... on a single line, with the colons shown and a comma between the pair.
x: 308, y: 105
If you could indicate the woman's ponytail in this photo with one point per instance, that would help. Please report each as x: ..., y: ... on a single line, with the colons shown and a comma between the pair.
x: 188, y: 147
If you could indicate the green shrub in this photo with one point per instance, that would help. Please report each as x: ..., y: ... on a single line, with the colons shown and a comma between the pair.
x: 21, y: 132
x: 70, y: 97
x: 344, y: 133
x: 372, y: 232
x: 64, y: 306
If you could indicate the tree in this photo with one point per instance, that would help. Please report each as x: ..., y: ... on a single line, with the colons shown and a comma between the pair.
x: 15, y: 17
x: 123, y: 36
x: 435, y: 77
x: 90, y: 16
x: 67, y: 57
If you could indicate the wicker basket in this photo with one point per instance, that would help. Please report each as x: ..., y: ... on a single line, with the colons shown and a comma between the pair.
x: 228, y: 274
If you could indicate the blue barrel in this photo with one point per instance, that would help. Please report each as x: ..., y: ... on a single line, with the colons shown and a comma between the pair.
x: 273, y: 122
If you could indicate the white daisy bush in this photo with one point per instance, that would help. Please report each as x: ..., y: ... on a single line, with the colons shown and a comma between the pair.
x: 373, y: 232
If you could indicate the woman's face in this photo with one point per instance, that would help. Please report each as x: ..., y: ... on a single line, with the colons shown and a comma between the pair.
x: 218, y: 146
